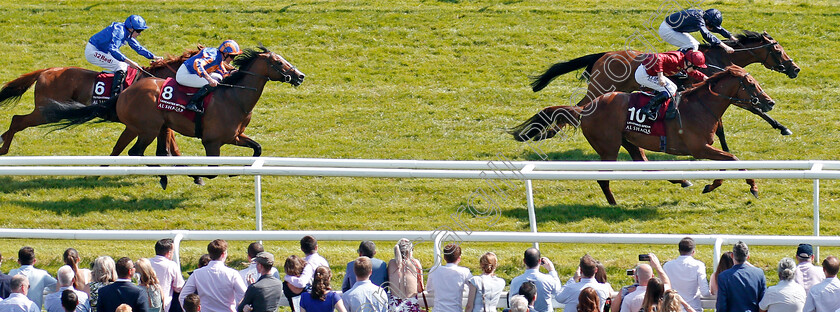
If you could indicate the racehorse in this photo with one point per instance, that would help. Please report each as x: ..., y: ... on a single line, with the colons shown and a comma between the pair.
x: 613, y: 71
x: 225, y: 116
x: 603, y: 120
x: 63, y: 84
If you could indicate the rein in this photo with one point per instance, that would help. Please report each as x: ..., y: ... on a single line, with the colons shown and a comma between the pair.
x: 752, y: 100
x: 780, y: 66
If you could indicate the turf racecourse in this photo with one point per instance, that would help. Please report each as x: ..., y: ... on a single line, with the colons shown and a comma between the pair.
x: 418, y: 80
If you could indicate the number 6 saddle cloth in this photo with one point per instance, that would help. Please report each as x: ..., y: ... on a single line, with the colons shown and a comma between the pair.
x: 174, y: 97
x: 104, y: 81
x: 638, y: 122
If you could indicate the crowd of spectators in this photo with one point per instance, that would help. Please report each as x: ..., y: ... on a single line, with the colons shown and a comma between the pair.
x: 372, y: 285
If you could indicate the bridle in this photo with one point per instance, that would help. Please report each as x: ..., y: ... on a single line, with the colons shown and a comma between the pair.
x: 754, y: 99
x: 781, y: 64
x: 287, y: 74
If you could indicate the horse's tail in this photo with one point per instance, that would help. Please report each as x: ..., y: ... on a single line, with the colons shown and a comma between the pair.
x: 13, y: 90
x: 72, y: 113
x: 539, y: 82
x: 546, y: 123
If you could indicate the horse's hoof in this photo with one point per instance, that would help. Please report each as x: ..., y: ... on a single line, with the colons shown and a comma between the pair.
x: 707, y: 189
x: 686, y: 184
x: 198, y: 180
x: 786, y: 131
x: 754, y: 193
x: 164, y: 181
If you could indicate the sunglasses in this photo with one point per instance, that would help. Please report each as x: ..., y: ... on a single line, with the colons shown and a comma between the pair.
x: 138, y: 30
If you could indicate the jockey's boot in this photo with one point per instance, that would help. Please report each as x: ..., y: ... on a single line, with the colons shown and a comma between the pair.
x: 116, y: 86
x: 196, y: 98
x: 652, y: 107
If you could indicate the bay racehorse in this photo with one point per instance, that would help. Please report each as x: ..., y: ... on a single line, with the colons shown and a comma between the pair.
x: 63, y: 84
x: 225, y: 116
x: 603, y: 121
x: 613, y: 71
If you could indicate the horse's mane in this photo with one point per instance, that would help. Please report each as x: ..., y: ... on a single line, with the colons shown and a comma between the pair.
x: 242, y: 61
x: 733, y: 70
x: 171, y: 60
x: 745, y: 38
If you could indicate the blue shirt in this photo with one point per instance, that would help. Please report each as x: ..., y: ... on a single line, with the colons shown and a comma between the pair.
x: 377, y: 277
x: 548, y: 287
x: 691, y: 20
x: 115, y: 36
x: 208, y: 61
x: 740, y: 288
x: 314, y: 305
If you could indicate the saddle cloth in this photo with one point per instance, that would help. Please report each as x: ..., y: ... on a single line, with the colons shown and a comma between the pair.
x: 174, y: 97
x: 638, y: 122
x: 104, y: 81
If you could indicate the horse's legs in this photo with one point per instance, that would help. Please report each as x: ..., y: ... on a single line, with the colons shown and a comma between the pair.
x: 125, y: 137
x: 243, y: 140
x: 139, y: 149
x: 639, y: 155
x: 722, y: 137
x: 709, y: 152
x: 19, y: 122
x: 773, y: 123
x: 162, y: 150
x: 172, y: 149
x: 212, y: 148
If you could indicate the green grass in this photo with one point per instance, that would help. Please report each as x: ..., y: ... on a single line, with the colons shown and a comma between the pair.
x: 418, y: 80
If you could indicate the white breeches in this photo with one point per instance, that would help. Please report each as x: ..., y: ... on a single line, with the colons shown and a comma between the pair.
x: 653, y: 81
x: 103, y: 59
x: 681, y: 40
x: 185, y: 78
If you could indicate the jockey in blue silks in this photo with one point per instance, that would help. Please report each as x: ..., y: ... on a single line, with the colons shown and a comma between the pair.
x: 676, y: 28
x: 103, y: 48
x: 205, y: 69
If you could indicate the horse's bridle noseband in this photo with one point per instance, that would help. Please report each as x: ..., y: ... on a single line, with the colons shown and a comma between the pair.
x: 754, y: 99
x: 287, y: 74
x: 781, y: 64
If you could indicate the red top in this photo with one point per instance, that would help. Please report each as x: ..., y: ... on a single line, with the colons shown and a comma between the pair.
x: 669, y: 64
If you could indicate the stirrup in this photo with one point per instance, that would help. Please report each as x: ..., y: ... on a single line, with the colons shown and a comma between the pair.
x: 651, y: 114
x: 193, y: 108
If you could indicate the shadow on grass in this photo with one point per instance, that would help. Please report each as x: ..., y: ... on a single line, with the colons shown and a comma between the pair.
x: 9, y: 184
x: 81, y: 207
x: 578, y: 154
x: 562, y: 213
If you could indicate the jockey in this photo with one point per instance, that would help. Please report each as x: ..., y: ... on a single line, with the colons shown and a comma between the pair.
x: 654, y: 69
x: 675, y: 28
x: 103, y: 48
x: 205, y: 69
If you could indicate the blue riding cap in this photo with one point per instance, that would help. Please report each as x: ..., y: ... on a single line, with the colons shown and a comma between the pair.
x: 135, y: 22
x: 713, y: 18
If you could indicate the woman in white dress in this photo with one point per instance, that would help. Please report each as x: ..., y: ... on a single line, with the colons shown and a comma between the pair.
x: 485, y: 289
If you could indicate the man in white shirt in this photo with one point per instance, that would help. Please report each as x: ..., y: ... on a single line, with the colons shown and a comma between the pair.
x: 688, y: 275
x: 548, y: 285
x: 364, y: 296
x: 40, y: 282
x: 586, y: 271
x: 309, y: 246
x: 219, y: 287
x: 446, y: 283
x: 250, y: 274
x: 18, y: 301
x: 825, y: 296
x: 168, y: 272
x: 66, y: 276
x: 807, y: 274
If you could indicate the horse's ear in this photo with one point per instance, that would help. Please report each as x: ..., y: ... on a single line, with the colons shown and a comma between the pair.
x: 261, y: 46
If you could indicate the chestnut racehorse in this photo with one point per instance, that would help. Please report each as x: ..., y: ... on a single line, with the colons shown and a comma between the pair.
x: 225, y: 116
x: 603, y: 120
x: 63, y: 84
x: 613, y: 71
